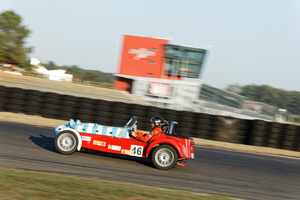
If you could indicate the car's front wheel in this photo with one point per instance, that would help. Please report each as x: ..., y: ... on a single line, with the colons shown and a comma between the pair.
x: 164, y: 157
x: 66, y: 142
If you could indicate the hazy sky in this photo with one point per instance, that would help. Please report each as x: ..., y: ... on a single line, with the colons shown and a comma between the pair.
x: 249, y: 41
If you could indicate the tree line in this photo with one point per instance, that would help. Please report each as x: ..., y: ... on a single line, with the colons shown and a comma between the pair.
x: 82, y: 74
x: 12, y: 40
x: 280, y: 98
x: 13, y: 50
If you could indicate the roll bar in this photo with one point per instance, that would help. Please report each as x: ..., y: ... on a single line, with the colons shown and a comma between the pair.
x: 173, y: 128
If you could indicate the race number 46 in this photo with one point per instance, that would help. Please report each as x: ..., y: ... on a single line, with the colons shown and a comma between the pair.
x: 137, y: 150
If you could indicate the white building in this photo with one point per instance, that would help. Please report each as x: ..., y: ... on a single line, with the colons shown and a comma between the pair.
x: 55, y: 75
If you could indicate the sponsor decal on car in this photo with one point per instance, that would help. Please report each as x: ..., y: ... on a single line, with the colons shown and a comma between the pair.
x: 86, y: 138
x: 99, y: 143
x: 126, y: 151
x: 114, y: 147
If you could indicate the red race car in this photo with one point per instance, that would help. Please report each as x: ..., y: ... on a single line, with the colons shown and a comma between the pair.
x: 165, y: 149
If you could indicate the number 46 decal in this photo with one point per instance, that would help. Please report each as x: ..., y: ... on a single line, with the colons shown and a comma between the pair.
x: 136, y: 150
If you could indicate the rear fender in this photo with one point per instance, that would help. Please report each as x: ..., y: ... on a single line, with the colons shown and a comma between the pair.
x: 77, y: 135
x: 169, y: 141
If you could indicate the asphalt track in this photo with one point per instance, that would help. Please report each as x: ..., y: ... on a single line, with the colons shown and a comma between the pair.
x: 213, y: 171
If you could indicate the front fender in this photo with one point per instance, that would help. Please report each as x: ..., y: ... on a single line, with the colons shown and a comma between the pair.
x: 169, y: 141
x: 77, y: 134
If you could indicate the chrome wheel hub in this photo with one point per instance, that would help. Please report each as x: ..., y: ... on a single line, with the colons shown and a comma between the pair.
x: 66, y: 142
x: 164, y: 157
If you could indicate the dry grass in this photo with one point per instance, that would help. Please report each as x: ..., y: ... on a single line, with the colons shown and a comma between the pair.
x: 23, y: 185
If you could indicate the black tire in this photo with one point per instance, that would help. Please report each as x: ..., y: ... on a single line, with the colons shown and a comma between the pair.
x: 66, y: 142
x: 34, y: 93
x: 119, y: 122
x: 53, y: 95
x: 35, y: 99
x: 259, y: 133
x: 68, y: 109
x: 70, y: 98
x: 17, y: 96
x: 16, y: 102
x: 291, y: 127
x: 85, y: 100
x: 53, y: 101
x: 290, y: 132
x: 120, y: 110
x: 137, y: 113
x: 69, y: 103
x: 68, y: 115
x: 274, y: 130
x: 83, y: 111
x: 18, y: 91
x: 53, y: 107
x: 103, y: 108
x: 34, y: 104
x: 164, y: 157
x: 32, y: 110
x: 121, y: 117
x: 122, y: 105
x: 185, y: 131
x: 3, y: 93
x: 274, y: 136
x: 14, y: 108
x: 289, y: 138
x: 84, y: 117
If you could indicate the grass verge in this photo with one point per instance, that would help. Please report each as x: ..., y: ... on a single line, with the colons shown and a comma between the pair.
x: 28, y: 185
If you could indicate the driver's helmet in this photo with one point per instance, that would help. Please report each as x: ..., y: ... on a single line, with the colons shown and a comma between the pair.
x: 158, y: 121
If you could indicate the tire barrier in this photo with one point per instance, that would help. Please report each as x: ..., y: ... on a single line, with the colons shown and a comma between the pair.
x: 121, y: 113
x: 186, y: 123
x: 228, y: 130
x: 86, y: 109
x: 274, y: 135
x: 34, y: 102
x: 290, y: 138
x: 141, y: 112
x: 69, y: 107
x: 4, y: 91
x: 51, y: 105
x: 259, y: 131
x: 16, y: 100
x: 204, y: 126
x: 103, y: 113
x: 200, y: 125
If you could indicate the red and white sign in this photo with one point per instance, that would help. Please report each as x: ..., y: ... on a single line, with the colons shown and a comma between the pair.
x: 141, y: 53
x: 160, y: 89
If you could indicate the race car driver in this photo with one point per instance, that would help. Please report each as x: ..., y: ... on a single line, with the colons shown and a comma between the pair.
x: 157, y: 123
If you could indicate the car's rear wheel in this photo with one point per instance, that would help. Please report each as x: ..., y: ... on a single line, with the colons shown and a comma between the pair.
x: 164, y: 157
x: 66, y: 142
